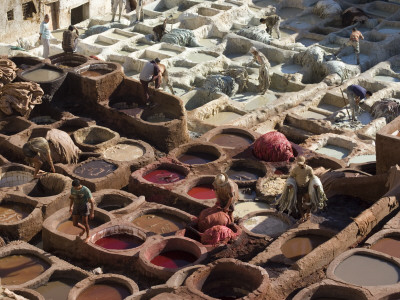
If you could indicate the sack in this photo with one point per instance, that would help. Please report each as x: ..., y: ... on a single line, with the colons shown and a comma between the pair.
x: 273, y: 147
x: 216, y: 235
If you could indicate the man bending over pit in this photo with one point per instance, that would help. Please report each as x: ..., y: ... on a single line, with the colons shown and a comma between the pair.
x: 79, y: 207
x: 36, y: 151
x: 355, y: 94
x: 272, y: 22
x: 150, y: 72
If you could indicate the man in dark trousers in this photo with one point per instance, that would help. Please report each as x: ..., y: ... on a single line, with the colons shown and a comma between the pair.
x: 150, y: 72
x: 70, y: 39
x: 356, y: 93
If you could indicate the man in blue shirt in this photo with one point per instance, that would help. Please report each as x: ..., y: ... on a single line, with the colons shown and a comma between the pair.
x: 45, y: 36
x: 79, y: 200
x: 355, y: 94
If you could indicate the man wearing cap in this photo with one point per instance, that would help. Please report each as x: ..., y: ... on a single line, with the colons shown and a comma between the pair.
x: 150, y: 72
x: 355, y: 94
x: 36, y: 151
x: 227, y: 193
x: 303, y: 191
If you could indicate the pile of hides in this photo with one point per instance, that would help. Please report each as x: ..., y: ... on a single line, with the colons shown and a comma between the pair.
x: 255, y: 33
x: 63, y: 149
x: 387, y: 108
x: 8, y: 71
x: 327, y: 8
x: 273, y: 147
x: 222, y: 84
x: 20, y: 97
x: 181, y: 37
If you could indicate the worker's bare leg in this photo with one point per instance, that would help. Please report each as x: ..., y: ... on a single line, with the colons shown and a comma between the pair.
x: 75, y: 222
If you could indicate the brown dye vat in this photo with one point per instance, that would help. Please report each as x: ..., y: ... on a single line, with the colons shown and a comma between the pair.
x: 95, y: 169
x: 232, y: 140
x: 10, y: 213
x: 159, y: 223
x: 390, y: 246
x: 237, y: 173
x: 300, y: 246
x: 197, y: 158
x: 367, y: 270
x: 105, y: 291
x: 18, y: 269
x: 42, y: 75
x: 68, y: 228
x: 56, y: 289
x: 97, y: 73
x: 224, y: 290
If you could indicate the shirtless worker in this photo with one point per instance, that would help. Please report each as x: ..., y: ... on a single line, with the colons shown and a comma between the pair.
x: 160, y: 30
x: 354, y: 41
x: 70, y: 39
x: 264, y: 80
x: 355, y: 94
x: 37, y: 150
x: 79, y: 207
x: 272, y: 22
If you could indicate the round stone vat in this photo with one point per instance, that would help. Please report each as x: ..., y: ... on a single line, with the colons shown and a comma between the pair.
x: 165, y: 221
x: 118, y: 237
x: 391, y: 296
x: 246, y: 172
x: 266, y: 223
x: 198, y: 154
x: 14, y: 175
x: 60, y: 283
x: 325, y: 162
x: 230, y: 137
x: 47, y: 186
x: 201, y: 189
x: 27, y: 293
x: 363, y: 267
x: 324, y: 290
x: 13, y: 125
x: 25, y: 62
x: 68, y: 60
x: 21, y: 267
x: 115, y: 200
x: 162, y: 258
x: 95, y: 168
x: 96, y: 70
x: 386, y: 241
x: 103, y: 287
x: 229, y: 279
x: 157, y: 116
x: 48, y: 77
x: 13, y: 211
x: 95, y: 138
x: 303, y: 242
x: 166, y: 173
x: 128, y: 150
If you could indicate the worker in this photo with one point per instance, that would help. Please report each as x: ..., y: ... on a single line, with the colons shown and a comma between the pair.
x: 150, y: 72
x: 356, y: 94
x: 160, y: 30
x: 45, y: 35
x: 115, y: 4
x: 227, y: 193
x: 272, y: 22
x: 139, y: 11
x: 70, y: 39
x: 37, y: 151
x: 264, y: 79
x: 354, y: 41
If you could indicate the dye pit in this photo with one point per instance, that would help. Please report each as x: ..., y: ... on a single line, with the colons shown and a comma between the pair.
x: 353, y: 160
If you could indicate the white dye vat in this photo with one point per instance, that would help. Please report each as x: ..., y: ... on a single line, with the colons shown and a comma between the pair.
x: 364, y: 118
x: 286, y: 32
x: 208, y: 43
x: 289, y: 12
x: 328, y: 107
x: 240, y: 57
x: 200, y: 57
x: 333, y: 151
x: 313, y: 115
x: 124, y: 152
x: 386, y: 78
x: 260, y: 101
x: 307, y: 42
x: 14, y: 178
x: 222, y: 118
x: 352, y: 60
x: 132, y: 73
x: 362, y: 159
x: 389, y: 30
x: 268, y: 225
x: 243, y: 97
x: 244, y: 208
x: 116, y: 35
x: 104, y: 43
x: 177, y: 69
x: 288, y: 68
x: 171, y: 52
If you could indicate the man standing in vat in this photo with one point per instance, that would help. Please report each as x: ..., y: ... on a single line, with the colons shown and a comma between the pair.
x: 150, y: 72
x: 303, y: 191
x: 45, y: 36
x: 356, y: 94
x: 354, y: 41
x: 139, y: 11
x: 264, y: 80
x: 227, y: 193
x: 36, y: 150
x: 70, y: 39
x: 79, y: 207
x: 272, y: 22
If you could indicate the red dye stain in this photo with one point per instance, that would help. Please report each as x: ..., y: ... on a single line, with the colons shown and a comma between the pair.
x: 161, y: 176
x: 202, y: 191
x: 119, y: 242
x: 173, y: 259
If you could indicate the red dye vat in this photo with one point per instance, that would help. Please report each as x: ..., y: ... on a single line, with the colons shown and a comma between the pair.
x: 173, y: 259
x: 119, y: 242
x: 162, y: 176
x: 202, y: 191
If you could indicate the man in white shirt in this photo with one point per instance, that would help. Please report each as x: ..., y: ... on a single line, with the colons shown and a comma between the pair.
x: 150, y: 72
x: 45, y: 36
